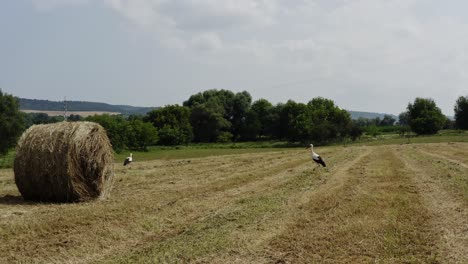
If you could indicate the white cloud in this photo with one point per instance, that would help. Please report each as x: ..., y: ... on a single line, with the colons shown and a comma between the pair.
x: 400, y: 48
x: 196, y: 21
x: 207, y: 42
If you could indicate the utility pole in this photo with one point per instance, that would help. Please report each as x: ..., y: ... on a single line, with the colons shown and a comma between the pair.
x: 65, y: 109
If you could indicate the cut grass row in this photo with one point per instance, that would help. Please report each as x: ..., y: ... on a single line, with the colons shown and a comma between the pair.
x: 165, y: 210
x: 371, y: 215
x: 274, y: 207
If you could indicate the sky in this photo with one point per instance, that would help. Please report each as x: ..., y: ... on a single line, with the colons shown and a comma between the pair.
x: 366, y: 55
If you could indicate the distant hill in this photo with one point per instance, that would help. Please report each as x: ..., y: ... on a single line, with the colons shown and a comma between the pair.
x: 368, y: 115
x: 81, y: 106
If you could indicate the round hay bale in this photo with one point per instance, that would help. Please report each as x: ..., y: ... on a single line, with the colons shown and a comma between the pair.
x: 64, y: 162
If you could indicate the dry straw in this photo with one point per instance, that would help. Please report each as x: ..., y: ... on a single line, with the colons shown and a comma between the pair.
x: 64, y: 162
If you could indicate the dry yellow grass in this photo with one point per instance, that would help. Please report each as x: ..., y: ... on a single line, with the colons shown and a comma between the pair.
x: 389, y: 204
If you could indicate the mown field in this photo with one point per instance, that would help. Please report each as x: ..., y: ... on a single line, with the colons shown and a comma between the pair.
x: 401, y: 203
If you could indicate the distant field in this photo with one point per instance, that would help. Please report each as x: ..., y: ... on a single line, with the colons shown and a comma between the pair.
x: 81, y: 113
x: 390, y: 139
x: 403, y: 203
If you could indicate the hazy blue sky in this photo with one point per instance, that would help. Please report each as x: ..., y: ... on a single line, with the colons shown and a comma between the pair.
x: 368, y: 55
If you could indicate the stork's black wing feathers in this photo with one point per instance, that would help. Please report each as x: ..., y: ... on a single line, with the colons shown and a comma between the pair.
x: 126, y: 161
x: 320, y: 161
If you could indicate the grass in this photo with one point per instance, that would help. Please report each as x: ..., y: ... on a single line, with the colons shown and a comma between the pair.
x: 367, y: 214
x: 203, y: 150
x: 185, y: 152
x: 7, y: 160
x: 372, y: 205
x: 395, y: 139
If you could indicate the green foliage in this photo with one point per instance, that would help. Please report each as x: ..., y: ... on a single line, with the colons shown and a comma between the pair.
x: 171, y: 136
x: 298, y: 125
x: 461, y: 112
x: 222, y: 110
x: 215, y: 112
x: 449, y: 124
x: 117, y: 128
x: 141, y: 135
x: 11, y: 122
x: 6, y: 160
x: 388, y: 120
x: 132, y: 134
x: 264, y: 118
x: 224, y: 137
x: 318, y: 121
x: 373, y: 131
x: 404, y: 131
x: 355, y: 131
x: 207, y: 123
x: 425, y: 118
x: 404, y: 118
x: 73, y: 118
x: 240, y: 106
x: 173, y: 123
x: 42, y: 118
x: 328, y: 121
x: 251, y: 128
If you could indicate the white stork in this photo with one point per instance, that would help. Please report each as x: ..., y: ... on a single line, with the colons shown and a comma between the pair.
x: 316, y: 157
x: 128, y: 160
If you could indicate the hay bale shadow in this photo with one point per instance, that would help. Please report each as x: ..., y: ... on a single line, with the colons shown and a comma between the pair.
x: 14, y: 200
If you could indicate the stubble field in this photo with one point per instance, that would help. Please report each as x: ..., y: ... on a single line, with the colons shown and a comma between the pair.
x: 372, y: 204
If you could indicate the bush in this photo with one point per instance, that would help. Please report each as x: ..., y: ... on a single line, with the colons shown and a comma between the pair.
x: 170, y: 136
x: 224, y: 137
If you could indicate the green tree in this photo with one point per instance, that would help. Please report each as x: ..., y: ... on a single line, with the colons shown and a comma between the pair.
x: 231, y: 107
x: 295, y: 124
x: 388, y: 120
x: 355, y: 131
x: 141, y: 135
x: 240, y: 106
x: 173, y: 123
x: 461, y: 112
x: 403, y: 118
x: 425, y: 117
x: 36, y: 118
x: 117, y: 128
x: 208, y: 123
x: 328, y: 121
x: 251, y: 127
x: 73, y: 118
x: 264, y: 115
x: 11, y: 122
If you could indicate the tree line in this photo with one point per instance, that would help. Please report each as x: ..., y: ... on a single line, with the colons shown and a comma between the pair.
x: 225, y: 116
